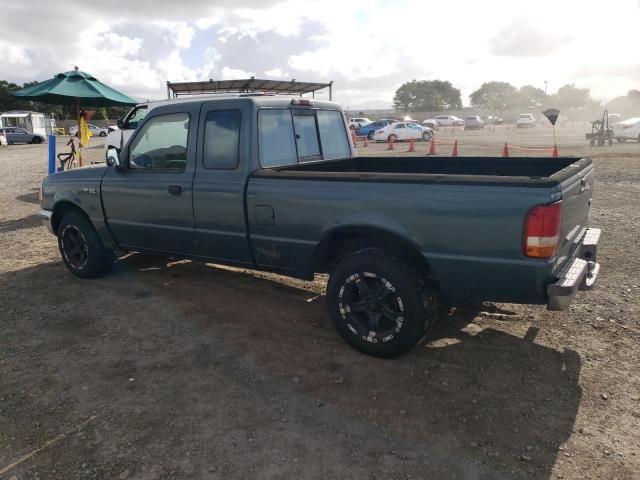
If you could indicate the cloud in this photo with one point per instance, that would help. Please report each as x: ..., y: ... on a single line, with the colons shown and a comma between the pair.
x: 369, y: 49
x: 275, y: 73
x: 522, y: 40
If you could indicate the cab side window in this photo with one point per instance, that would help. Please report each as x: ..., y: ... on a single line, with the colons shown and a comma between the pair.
x: 222, y: 139
x: 161, y: 143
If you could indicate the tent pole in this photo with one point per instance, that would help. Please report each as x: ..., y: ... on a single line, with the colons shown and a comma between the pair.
x: 79, y: 132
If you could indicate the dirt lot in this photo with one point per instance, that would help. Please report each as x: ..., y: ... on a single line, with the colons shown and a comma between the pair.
x: 172, y: 369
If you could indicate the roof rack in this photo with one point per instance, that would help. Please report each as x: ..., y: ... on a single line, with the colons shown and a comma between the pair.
x: 249, y: 85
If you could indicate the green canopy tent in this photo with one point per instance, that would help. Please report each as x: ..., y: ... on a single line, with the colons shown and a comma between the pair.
x: 75, y: 87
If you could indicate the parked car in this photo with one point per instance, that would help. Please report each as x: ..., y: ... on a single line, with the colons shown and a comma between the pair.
x: 493, y: 120
x: 449, y: 120
x: 627, y: 130
x: 20, y: 135
x: 282, y: 191
x: 357, y: 122
x: 431, y: 123
x: 402, y: 131
x: 613, y: 118
x: 526, y: 120
x: 473, y: 122
x: 370, y: 129
x: 95, y: 130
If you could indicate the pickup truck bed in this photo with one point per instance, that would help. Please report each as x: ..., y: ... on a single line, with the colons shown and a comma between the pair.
x: 542, y: 172
x: 464, y: 215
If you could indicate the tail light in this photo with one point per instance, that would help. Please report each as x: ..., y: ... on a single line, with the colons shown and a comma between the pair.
x: 542, y: 230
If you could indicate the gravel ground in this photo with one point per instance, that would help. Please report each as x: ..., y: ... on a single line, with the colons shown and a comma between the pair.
x: 175, y: 369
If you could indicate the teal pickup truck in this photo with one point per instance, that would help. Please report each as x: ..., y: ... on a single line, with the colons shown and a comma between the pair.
x: 273, y: 183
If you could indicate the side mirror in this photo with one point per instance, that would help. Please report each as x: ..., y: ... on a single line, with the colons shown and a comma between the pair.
x: 120, y: 123
x: 113, y: 158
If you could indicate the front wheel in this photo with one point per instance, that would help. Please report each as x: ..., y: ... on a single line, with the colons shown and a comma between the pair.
x: 81, y: 248
x: 36, y: 140
x: 103, y: 134
x: 379, y: 303
x: 370, y: 135
x: 426, y: 136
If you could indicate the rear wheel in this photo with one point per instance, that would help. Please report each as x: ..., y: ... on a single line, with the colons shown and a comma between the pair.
x: 392, y: 137
x: 81, y: 248
x: 370, y: 135
x: 103, y: 134
x: 379, y: 303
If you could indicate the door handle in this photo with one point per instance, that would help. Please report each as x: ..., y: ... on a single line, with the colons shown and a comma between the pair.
x: 175, y: 189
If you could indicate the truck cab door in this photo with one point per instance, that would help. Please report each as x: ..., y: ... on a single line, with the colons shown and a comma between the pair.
x: 148, y: 206
x: 219, y: 184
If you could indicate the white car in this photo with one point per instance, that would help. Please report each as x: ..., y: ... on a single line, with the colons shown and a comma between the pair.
x: 449, y: 121
x: 431, y: 123
x: 526, y: 120
x: 95, y: 130
x: 358, y: 122
x: 627, y: 130
x: 403, y: 131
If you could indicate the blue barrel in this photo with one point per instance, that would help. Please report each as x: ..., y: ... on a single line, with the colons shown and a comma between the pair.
x: 52, y: 154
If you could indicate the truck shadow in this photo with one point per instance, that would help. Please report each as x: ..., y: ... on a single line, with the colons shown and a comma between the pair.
x: 495, y: 399
x: 30, y: 221
x: 476, y: 400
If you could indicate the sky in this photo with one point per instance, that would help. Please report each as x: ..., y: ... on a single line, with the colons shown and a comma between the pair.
x: 368, y: 48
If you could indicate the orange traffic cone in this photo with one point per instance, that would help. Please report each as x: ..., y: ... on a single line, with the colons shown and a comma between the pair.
x: 505, y: 151
x: 432, y: 148
x: 353, y: 138
x: 554, y: 153
x: 366, y: 142
x: 411, y: 145
x: 455, y: 149
x: 390, y: 147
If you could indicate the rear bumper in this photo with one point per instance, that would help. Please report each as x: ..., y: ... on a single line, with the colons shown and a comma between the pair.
x: 578, y: 273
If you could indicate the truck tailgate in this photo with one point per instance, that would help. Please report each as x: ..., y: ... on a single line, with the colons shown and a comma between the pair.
x: 576, y: 199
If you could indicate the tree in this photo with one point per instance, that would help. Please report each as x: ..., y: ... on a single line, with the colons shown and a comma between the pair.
x: 427, y: 96
x: 495, y: 96
x: 634, y: 97
x: 531, y: 96
x: 569, y: 96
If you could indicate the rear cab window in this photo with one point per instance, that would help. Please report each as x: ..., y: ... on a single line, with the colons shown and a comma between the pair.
x: 288, y: 136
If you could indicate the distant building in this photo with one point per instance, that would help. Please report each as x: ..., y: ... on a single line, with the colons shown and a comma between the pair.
x: 33, y: 122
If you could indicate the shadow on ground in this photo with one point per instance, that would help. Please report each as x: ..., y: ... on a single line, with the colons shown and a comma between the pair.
x: 30, y: 221
x: 194, y: 371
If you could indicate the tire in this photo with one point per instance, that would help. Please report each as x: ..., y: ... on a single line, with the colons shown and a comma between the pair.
x: 426, y: 136
x: 621, y: 140
x: 402, y: 307
x: 36, y: 140
x: 392, y: 136
x: 102, y: 134
x: 370, y: 135
x: 81, y: 248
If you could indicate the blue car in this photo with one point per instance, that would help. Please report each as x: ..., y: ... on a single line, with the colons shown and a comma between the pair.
x: 370, y: 129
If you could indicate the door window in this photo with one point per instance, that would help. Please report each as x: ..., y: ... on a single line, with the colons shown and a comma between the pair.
x: 222, y: 139
x: 161, y: 143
